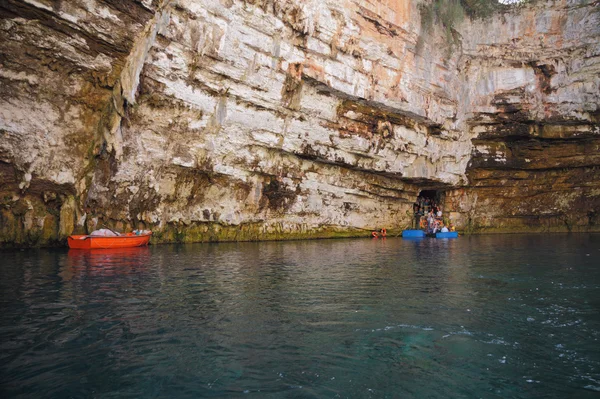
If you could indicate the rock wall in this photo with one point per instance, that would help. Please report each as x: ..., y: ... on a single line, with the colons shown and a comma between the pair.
x: 533, y: 80
x: 266, y: 119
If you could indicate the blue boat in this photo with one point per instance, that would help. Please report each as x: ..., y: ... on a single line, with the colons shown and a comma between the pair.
x: 421, y: 234
x: 449, y: 234
x: 413, y: 234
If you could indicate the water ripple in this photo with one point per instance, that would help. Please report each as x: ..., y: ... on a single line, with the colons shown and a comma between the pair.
x: 499, y: 316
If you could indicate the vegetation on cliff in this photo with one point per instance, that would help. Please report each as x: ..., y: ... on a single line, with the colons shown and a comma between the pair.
x: 449, y: 13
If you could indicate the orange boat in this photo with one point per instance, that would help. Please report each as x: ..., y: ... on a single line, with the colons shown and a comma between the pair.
x: 103, y: 242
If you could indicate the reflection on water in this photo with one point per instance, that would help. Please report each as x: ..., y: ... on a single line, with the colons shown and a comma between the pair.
x: 495, y: 316
x: 105, y: 262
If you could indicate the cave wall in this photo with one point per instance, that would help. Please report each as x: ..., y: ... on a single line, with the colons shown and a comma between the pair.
x: 533, y: 80
x: 241, y: 120
x: 59, y: 63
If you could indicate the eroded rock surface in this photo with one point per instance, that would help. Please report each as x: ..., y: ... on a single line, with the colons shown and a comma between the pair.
x: 237, y: 120
x: 534, y: 86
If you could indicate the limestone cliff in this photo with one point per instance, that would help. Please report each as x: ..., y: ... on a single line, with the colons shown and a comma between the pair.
x: 238, y: 120
x: 533, y: 90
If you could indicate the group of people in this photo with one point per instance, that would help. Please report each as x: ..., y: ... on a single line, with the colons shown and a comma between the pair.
x: 428, y: 216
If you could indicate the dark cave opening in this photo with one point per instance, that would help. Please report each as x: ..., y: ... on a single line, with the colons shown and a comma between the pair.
x: 426, y: 201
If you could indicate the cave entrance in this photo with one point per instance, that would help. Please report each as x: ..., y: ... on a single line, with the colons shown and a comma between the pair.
x: 426, y: 200
x: 434, y: 196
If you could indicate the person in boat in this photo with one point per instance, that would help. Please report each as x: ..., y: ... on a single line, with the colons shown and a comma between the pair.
x: 438, y: 224
x: 430, y: 222
x: 444, y: 229
x: 416, y: 214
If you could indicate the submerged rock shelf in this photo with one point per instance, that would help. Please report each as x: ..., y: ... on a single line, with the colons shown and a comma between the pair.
x: 207, y: 120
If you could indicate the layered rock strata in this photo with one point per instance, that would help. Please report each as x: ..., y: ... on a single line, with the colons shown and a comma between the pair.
x: 533, y: 81
x: 243, y: 120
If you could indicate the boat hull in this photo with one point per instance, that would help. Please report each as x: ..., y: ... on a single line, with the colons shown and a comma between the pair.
x: 101, y: 242
x: 449, y: 234
x: 413, y: 234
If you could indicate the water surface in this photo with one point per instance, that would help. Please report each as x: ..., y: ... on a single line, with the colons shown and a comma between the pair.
x: 486, y: 316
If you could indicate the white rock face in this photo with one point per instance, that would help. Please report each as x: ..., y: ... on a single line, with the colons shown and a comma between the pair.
x: 230, y: 119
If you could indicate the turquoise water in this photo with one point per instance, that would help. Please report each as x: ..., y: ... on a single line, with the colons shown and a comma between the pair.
x: 513, y: 316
